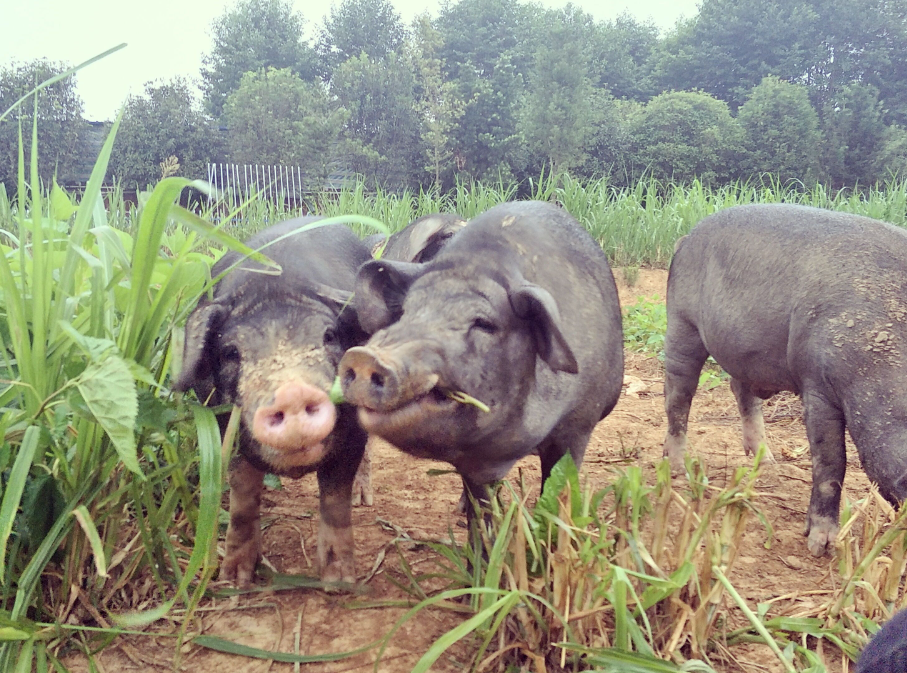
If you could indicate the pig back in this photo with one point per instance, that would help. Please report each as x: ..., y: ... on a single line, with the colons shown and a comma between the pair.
x: 326, y: 255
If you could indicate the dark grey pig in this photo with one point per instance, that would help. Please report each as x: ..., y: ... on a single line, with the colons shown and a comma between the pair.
x: 271, y: 344
x: 793, y: 298
x: 419, y: 241
x: 518, y: 310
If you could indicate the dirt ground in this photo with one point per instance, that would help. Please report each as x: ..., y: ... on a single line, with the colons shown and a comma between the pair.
x: 422, y: 505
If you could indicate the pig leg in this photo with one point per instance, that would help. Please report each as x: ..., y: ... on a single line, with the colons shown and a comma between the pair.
x: 825, y: 430
x: 569, y: 437
x: 244, y: 531
x: 750, y: 408
x: 480, y: 494
x: 362, y: 483
x: 336, y: 552
x: 684, y: 356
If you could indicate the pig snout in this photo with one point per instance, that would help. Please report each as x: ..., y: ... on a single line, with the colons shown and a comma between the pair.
x: 367, y: 382
x: 300, y: 416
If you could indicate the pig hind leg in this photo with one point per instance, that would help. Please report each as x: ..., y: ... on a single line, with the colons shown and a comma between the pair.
x: 362, y: 483
x: 825, y: 430
x: 753, y: 423
x: 684, y: 356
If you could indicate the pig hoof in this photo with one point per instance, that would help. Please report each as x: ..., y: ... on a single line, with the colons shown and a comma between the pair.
x: 342, y: 570
x: 362, y: 497
x: 462, y: 506
x: 239, y: 568
x: 821, y: 537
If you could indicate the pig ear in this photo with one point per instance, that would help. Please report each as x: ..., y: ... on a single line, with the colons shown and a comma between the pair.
x: 536, y: 305
x: 197, y: 371
x: 428, y: 236
x: 380, y: 289
x: 341, y: 299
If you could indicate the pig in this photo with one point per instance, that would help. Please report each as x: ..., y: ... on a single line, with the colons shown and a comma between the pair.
x: 271, y: 344
x: 793, y: 298
x: 518, y: 310
x: 419, y: 241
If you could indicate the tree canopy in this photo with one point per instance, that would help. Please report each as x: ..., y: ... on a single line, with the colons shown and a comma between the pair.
x: 800, y: 89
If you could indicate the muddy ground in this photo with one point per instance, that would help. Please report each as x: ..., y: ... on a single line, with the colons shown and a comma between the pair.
x: 423, y: 506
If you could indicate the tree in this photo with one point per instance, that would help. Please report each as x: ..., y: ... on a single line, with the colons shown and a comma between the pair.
x: 609, y: 148
x: 254, y: 34
x: 854, y: 136
x: 165, y: 122
x: 355, y: 27
x: 382, y: 126
x: 556, y: 116
x: 683, y: 135
x: 60, y: 122
x: 622, y: 57
x: 276, y: 118
x: 730, y: 46
x: 865, y: 42
x: 439, y: 106
x: 780, y: 131
x: 488, y: 50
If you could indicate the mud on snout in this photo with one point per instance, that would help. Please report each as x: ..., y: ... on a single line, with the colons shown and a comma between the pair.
x: 286, y: 408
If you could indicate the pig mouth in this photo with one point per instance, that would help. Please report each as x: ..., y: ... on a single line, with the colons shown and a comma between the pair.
x: 282, y: 458
x: 434, y: 401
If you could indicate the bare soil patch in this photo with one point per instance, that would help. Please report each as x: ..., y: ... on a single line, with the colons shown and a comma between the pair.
x: 424, y: 506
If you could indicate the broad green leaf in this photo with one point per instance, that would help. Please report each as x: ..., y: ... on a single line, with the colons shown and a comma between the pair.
x: 60, y: 205
x: 108, y: 389
x: 93, y: 347
x: 563, y: 473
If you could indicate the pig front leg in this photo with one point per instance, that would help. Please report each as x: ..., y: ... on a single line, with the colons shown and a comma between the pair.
x: 825, y: 431
x: 244, y: 530
x: 684, y: 356
x: 336, y: 551
x: 750, y: 408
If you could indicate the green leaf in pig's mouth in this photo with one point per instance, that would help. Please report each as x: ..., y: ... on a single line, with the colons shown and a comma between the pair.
x: 463, y: 398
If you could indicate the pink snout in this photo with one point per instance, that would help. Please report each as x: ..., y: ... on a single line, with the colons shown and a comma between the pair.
x: 300, y: 417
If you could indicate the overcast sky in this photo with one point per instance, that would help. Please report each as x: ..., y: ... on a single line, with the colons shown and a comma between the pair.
x: 168, y: 37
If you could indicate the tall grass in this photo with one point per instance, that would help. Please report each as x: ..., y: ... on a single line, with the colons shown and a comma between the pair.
x: 106, y: 479
x: 636, y: 225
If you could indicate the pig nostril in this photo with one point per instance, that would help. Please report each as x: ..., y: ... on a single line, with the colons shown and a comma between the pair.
x: 349, y: 376
x: 312, y: 409
x: 276, y: 419
x: 377, y: 380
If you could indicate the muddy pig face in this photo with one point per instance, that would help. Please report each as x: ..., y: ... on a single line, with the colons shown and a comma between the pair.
x: 442, y: 328
x: 277, y: 363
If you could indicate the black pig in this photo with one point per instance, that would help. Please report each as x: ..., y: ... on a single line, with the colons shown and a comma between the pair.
x: 794, y: 298
x: 419, y: 241
x: 271, y: 344
x: 518, y: 310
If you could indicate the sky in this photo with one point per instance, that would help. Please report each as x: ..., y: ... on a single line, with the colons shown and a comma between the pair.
x: 167, y: 38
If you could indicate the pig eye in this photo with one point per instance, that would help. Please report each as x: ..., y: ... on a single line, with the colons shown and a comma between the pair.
x: 230, y: 354
x: 330, y: 336
x: 485, y: 325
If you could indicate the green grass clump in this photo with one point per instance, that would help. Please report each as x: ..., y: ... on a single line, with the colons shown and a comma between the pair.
x: 645, y: 324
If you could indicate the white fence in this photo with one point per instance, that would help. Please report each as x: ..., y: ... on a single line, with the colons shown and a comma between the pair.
x: 282, y: 185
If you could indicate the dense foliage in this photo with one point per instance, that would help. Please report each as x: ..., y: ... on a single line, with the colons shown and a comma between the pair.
x: 804, y: 90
